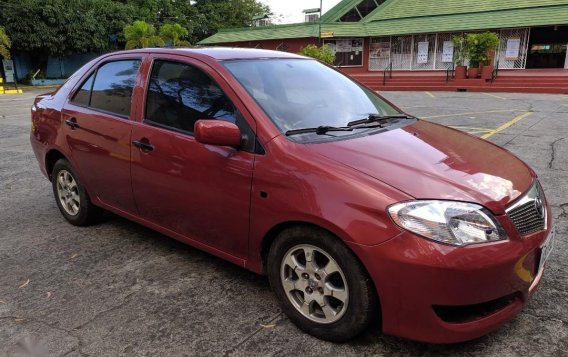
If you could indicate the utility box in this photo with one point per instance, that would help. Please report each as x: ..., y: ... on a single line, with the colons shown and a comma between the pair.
x: 9, y: 73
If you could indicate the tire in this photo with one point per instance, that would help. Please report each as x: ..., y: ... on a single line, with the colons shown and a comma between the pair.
x: 342, y: 317
x: 71, y: 197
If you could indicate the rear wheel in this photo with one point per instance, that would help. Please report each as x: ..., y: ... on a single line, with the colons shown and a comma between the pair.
x: 321, y: 285
x: 71, y: 197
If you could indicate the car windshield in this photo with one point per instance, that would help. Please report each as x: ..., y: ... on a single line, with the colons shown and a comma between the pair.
x: 302, y: 93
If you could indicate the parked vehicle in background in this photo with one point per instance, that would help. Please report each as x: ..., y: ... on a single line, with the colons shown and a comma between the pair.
x: 282, y: 165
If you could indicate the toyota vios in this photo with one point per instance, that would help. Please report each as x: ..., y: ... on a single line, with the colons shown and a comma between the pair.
x: 284, y: 166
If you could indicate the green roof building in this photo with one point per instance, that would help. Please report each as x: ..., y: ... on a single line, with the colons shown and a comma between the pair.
x: 371, y: 35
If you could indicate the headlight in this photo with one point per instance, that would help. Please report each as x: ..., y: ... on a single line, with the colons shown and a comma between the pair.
x: 449, y: 222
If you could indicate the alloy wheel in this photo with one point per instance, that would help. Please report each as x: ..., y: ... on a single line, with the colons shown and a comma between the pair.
x: 314, y: 283
x: 68, y: 192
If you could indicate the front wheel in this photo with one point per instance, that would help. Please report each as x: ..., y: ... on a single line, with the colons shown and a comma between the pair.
x: 321, y: 285
x: 71, y: 197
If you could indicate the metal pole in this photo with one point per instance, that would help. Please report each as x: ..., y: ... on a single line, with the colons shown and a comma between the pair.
x: 319, y: 20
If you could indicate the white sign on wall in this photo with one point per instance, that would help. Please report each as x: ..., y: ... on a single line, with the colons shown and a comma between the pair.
x: 448, y: 51
x: 8, y: 71
x: 422, y: 55
x: 343, y: 45
x: 380, y: 50
x: 513, y: 48
x: 357, y: 45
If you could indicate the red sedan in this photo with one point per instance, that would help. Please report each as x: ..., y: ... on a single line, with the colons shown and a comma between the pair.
x: 284, y: 166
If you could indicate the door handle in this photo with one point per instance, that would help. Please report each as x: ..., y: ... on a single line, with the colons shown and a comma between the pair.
x: 72, y: 122
x: 143, y: 145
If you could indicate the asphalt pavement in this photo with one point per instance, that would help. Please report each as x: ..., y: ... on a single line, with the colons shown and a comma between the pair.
x: 119, y: 289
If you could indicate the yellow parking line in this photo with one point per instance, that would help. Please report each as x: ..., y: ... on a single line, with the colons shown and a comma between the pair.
x: 506, y: 125
x: 469, y: 128
x: 493, y: 95
x: 471, y: 113
x: 430, y: 94
x: 476, y: 132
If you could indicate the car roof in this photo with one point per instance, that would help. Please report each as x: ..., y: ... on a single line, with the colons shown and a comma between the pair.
x: 218, y: 53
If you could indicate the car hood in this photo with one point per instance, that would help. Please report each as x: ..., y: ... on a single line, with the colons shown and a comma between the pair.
x: 430, y: 161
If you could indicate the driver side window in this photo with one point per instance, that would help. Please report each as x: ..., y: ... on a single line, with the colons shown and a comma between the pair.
x: 179, y: 94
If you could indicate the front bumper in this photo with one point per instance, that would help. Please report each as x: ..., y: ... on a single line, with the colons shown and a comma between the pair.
x: 442, y: 294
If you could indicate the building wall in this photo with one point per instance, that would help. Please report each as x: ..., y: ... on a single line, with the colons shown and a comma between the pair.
x: 57, y: 67
x: 296, y: 44
x: 403, y: 51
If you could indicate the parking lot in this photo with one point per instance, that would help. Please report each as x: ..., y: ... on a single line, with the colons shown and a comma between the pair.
x: 119, y: 289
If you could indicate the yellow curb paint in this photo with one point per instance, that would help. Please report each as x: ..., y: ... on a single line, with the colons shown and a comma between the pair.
x: 430, y: 94
x: 494, y: 96
x: 11, y: 91
x: 506, y: 125
x: 471, y: 113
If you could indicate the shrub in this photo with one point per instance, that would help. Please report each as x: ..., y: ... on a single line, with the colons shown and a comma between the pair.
x: 479, y: 45
x: 323, y: 53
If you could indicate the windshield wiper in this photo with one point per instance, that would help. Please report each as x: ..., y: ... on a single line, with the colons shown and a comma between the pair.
x: 320, y: 130
x: 376, y: 118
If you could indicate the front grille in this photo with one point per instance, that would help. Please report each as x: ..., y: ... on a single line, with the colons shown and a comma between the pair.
x: 529, y: 213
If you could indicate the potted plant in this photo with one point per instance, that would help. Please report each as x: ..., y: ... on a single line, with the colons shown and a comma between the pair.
x: 478, y: 47
x: 491, y: 41
x: 459, y: 56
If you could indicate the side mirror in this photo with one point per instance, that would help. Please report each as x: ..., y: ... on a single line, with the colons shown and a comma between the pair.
x: 217, y: 132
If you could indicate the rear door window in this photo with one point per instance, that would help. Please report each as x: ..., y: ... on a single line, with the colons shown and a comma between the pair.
x: 113, y: 86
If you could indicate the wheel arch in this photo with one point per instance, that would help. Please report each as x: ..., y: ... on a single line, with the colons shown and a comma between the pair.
x: 51, y: 157
x: 273, y: 233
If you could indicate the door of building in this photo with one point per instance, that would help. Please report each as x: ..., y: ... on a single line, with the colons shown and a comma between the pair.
x: 547, y: 47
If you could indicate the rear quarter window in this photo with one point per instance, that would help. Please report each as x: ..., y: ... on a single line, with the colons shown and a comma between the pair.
x: 83, y: 95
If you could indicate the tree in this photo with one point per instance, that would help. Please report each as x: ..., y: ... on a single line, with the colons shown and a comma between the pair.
x: 172, y: 33
x: 140, y: 35
x: 160, y: 12
x: 323, y: 53
x: 218, y: 14
x: 46, y: 28
x: 5, y: 44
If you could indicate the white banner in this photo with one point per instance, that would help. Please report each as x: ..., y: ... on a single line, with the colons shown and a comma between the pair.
x: 513, y: 48
x: 422, y: 53
x: 448, y: 52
